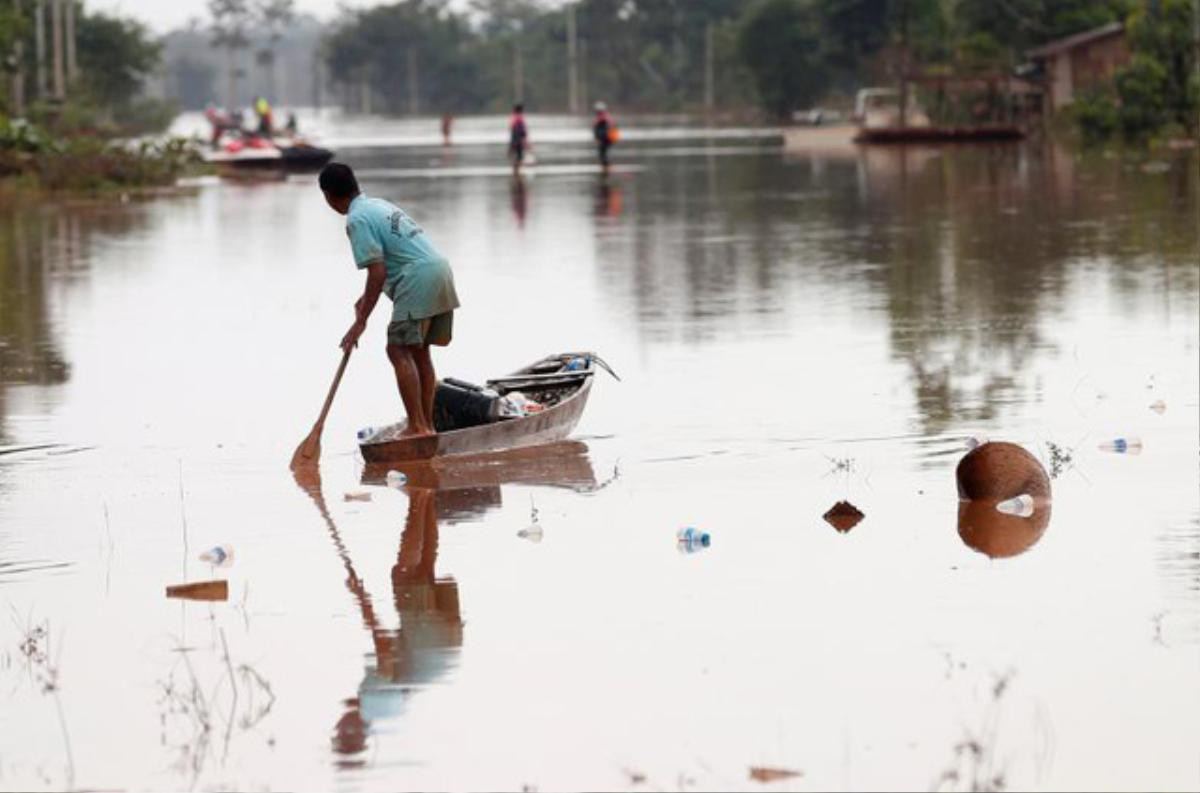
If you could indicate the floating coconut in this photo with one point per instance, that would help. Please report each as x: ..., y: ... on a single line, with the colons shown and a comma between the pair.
x: 997, y: 471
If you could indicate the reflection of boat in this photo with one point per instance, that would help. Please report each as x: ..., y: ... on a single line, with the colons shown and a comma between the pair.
x: 469, y: 487
x: 280, y: 154
x: 559, y: 384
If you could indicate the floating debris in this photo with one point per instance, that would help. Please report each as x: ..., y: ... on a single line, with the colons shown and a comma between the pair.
x: 360, y: 495
x: 533, y: 533
x: 1159, y: 407
x: 843, y: 516
x: 1060, y: 459
x: 765, y: 774
x: 395, y: 479
x: 1122, y: 446
x: 1021, y: 506
x: 840, y: 465
x: 218, y: 556
x: 200, y: 590
x: 689, y: 539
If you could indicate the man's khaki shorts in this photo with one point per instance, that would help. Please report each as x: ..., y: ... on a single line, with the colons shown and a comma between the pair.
x: 416, y: 332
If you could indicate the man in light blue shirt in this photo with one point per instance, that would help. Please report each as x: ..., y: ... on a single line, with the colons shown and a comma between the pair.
x: 402, y: 263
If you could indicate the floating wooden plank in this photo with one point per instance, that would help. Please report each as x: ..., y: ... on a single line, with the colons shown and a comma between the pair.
x: 200, y: 590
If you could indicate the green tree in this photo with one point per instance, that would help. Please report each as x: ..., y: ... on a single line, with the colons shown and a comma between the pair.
x: 1142, y: 87
x: 272, y: 17
x: 1164, y: 63
x: 782, y: 44
x: 116, y: 56
x: 231, y: 20
x: 389, y: 50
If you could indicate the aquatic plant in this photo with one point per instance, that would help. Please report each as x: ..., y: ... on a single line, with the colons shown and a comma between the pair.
x: 42, y: 666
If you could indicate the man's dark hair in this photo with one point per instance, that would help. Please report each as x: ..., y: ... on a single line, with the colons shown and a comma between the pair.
x: 518, y: 108
x: 338, y: 180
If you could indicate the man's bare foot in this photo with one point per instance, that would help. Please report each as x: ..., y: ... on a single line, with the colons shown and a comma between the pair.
x: 416, y: 432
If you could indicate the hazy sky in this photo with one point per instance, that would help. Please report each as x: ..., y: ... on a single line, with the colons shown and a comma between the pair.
x: 164, y: 15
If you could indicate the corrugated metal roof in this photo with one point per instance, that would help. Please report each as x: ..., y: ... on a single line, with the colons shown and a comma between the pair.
x: 1071, y: 42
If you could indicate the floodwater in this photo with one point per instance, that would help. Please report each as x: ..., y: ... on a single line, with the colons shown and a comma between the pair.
x: 791, y: 330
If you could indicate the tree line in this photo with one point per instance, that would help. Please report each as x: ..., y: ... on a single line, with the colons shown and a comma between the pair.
x: 774, y: 55
x: 72, y: 68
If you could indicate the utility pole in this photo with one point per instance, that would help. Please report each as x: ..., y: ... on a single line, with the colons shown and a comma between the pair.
x: 316, y: 81
x: 1196, y: 23
x: 709, y: 94
x: 72, y: 64
x: 572, y: 64
x: 904, y: 67
x: 56, y: 44
x: 414, y: 104
x: 518, y: 74
x: 39, y: 29
x: 583, y: 74
x: 18, y: 79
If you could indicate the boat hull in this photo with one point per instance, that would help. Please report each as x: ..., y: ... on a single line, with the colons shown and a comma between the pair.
x: 289, y: 159
x: 551, y: 425
x: 964, y: 134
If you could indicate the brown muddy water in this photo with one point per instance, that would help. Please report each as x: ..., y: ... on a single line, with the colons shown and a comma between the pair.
x: 792, y: 330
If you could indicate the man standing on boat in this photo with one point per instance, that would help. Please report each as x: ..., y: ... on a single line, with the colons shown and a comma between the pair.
x: 402, y: 263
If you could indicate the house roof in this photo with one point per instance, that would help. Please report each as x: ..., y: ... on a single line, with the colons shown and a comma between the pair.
x: 1058, y: 46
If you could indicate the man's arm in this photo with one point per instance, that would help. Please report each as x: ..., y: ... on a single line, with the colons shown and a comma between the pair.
x: 376, y: 275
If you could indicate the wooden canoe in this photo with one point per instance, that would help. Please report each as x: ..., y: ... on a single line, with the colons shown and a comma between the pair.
x: 554, y: 423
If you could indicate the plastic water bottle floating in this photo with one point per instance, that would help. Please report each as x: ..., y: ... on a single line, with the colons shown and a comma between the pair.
x: 218, y: 556
x: 1021, y: 506
x: 532, y: 532
x: 366, y: 432
x: 396, y: 479
x: 690, y: 539
x: 1122, y: 446
x: 578, y: 364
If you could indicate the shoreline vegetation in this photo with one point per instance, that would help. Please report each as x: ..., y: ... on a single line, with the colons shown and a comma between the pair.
x: 33, y: 162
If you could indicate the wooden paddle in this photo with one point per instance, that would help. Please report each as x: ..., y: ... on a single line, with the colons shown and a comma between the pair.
x: 309, y: 450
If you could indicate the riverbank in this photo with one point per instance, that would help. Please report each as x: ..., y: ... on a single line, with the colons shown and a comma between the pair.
x: 36, y: 163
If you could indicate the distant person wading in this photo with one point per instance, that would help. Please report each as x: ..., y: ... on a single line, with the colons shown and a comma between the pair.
x: 402, y: 263
x: 604, y: 130
x: 518, y: 138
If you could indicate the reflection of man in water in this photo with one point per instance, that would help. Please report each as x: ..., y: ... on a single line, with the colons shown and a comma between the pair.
x: 427, y: 642
x: 608, y: 199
